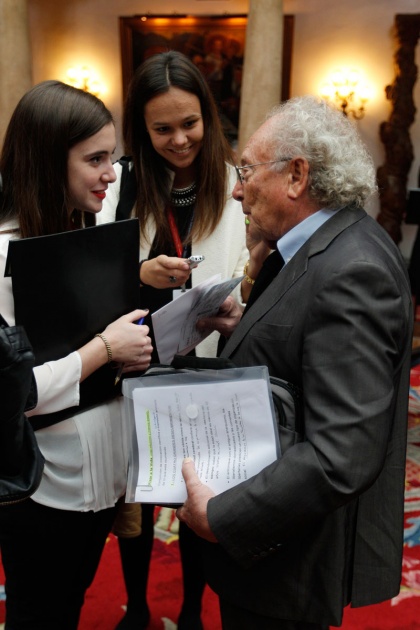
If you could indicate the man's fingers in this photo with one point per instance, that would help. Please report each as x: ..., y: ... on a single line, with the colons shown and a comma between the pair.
x: 188, y: 472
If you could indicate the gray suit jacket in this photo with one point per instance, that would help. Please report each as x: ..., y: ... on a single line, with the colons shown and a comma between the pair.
x: 322, y: 526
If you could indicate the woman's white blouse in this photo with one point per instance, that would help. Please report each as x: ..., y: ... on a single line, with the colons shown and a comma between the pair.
x: 86, y: 455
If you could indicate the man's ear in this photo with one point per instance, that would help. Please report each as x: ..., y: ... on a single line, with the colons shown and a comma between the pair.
x: 298, y: 178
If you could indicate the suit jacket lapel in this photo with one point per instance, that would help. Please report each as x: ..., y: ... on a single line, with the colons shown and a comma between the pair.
x: 294, y: 269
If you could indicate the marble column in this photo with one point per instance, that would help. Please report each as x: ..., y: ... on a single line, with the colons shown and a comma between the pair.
x: 15, y: 58
x: 261, y: 83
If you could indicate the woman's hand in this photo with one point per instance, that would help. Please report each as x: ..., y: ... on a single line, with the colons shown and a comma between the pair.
x: 165, y: 272
x: 258, y: 252
x: 129, y: 344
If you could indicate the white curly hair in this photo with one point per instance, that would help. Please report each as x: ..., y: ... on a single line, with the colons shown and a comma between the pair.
x: 341, y: 169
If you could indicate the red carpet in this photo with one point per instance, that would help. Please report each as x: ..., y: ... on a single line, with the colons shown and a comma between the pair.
x: 106, y: 598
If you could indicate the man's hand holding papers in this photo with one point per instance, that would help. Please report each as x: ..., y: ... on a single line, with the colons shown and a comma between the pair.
x: 175, y: 325
x: 194, y: 510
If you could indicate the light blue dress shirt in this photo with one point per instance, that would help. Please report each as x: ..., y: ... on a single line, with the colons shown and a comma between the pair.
x: 293, y: 240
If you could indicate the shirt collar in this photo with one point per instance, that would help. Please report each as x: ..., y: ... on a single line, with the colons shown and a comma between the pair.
x: 293, y: 240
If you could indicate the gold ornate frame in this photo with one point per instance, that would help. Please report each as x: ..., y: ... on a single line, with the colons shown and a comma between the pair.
x: 141, y: 36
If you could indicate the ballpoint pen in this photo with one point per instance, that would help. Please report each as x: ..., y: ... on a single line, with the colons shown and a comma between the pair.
x: 120, y: 369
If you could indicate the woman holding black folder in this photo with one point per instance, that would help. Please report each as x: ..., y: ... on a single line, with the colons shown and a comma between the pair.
x: 56, y: 167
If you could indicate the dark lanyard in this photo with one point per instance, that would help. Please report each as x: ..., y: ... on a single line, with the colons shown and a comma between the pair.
x: 180, y: 251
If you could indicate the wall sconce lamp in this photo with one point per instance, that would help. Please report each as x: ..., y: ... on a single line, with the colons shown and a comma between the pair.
x: 85, y: 79
x: 345, y: 89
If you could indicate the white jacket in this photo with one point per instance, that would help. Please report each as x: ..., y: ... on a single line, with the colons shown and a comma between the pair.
x: 225, y: 250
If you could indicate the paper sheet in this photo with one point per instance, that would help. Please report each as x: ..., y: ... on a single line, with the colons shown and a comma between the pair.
x: 227, y: 428
x: 174, y: 325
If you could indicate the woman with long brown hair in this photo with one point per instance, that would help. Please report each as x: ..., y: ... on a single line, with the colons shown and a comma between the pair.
x: 177, y: 179
x: 56, y: 166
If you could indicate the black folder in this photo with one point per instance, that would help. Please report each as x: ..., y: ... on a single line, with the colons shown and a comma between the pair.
x: 69, y: 286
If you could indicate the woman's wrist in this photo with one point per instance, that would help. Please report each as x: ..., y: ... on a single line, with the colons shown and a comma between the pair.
x: 257, y: 258
x: 142, y: 283
x: 107, y: 346
x: 248, y: 278
x: 94, y: 354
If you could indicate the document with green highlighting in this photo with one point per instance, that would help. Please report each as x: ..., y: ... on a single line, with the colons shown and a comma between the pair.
x: 225, y: 426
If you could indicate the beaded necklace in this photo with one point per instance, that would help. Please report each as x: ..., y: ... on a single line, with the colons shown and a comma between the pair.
x: 184, y: 196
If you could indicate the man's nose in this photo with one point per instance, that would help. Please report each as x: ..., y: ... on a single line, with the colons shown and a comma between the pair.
x: 238, y: 191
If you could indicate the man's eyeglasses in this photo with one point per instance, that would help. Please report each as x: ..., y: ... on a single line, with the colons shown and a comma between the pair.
x: 241, y: 171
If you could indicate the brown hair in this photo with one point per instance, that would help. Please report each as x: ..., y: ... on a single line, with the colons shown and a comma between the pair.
x: 48, y: 121
x: 156, y: 76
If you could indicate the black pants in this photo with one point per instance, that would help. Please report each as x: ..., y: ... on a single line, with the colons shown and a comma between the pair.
x: 50, y: 558
x: 136, y: 554
x: 234, y: 618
